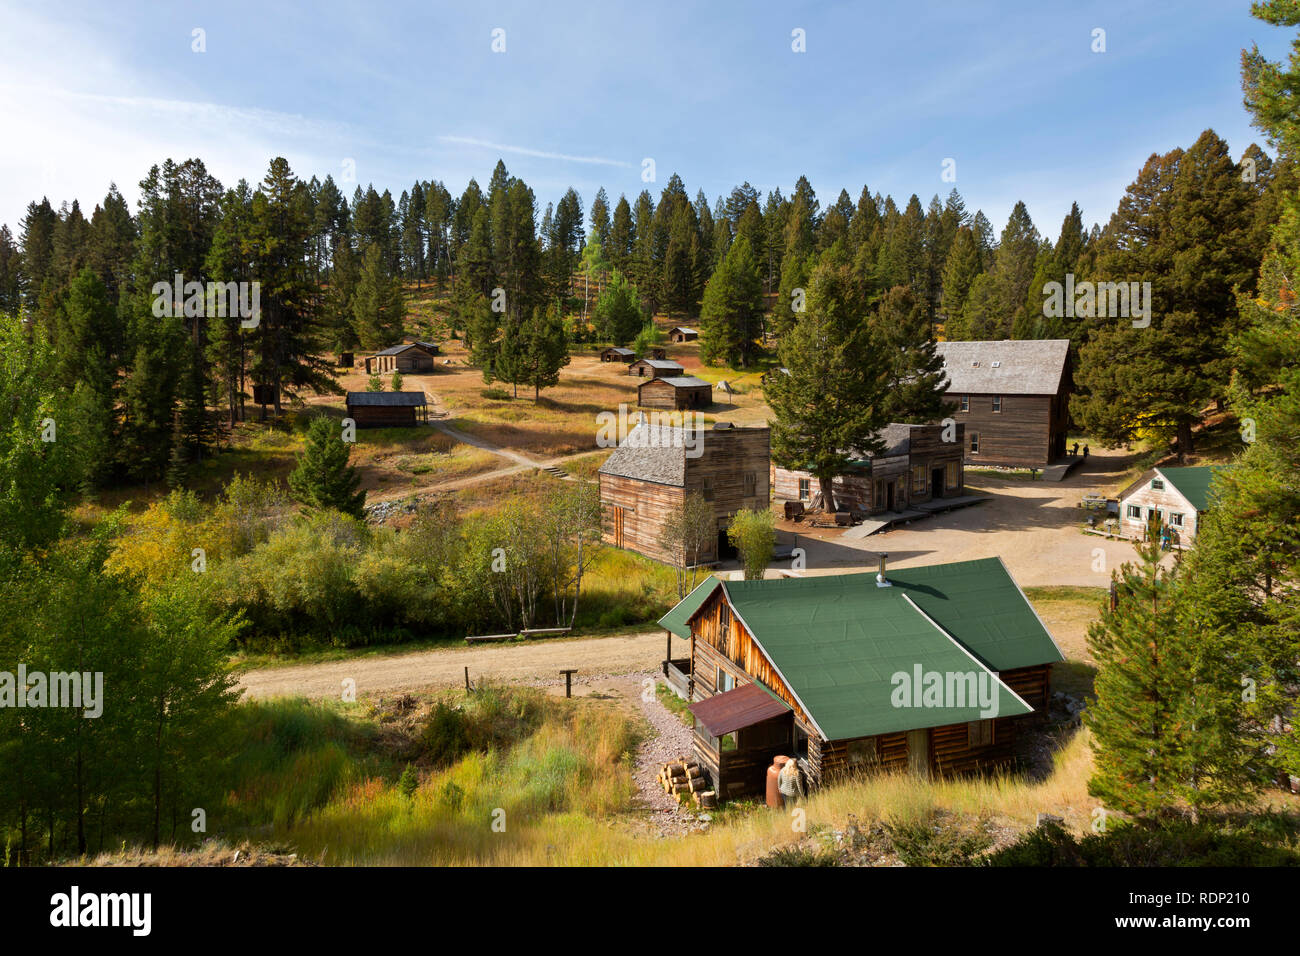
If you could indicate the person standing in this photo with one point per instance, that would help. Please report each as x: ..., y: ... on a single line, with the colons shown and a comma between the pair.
x: 790, y: 783
x: 1085, y: 452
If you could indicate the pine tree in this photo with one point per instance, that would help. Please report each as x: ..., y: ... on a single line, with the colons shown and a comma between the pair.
x: 546, y: 350
x: 830, y: 406
x: 377, y: 305
x: 323, y: 478
x: 1138, y: 721
x: 732, y: 311
x: 960, y: 270
x: 901, y: 331
x: 618, y: 311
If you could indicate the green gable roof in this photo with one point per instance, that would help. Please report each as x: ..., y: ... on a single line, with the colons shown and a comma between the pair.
x: 1192, y: 483
x: 678, y: 619
x: 839, y: 640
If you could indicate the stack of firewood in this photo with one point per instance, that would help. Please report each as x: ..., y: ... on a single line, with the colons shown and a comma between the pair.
x: 686, y: 780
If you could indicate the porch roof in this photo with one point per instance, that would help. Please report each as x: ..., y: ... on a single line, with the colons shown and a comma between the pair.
x: 744, y: 706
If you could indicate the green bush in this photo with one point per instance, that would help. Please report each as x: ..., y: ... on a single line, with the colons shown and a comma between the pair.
x: 1260, y: 842
x: 496, y: 394
x: 936, y: 840
x: 445, y: 737
x: 798, y: 854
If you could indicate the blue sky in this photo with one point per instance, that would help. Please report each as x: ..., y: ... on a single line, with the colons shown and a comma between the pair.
x: 885, y: 92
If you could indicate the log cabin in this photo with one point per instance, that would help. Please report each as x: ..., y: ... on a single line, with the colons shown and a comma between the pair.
x: 1013, y: 397
x: 408, y: 357
x: 931, y: 669
x: 649, y: 475
x: 678, y: 392
x: 655, y: 368
x: 387, y: 409
x: 1176, y: 497
x: 915, y: 465
x: 618, y: 354
x: 681, y: 333
x: 657, y: 352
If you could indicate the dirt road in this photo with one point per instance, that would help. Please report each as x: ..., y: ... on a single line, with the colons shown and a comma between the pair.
x: 419, y: 670
x: 1034, y: 526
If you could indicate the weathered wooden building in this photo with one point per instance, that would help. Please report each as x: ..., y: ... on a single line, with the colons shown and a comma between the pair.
x: 650, y: 474
x: 932, y: 669
x: 618, y: 354
x: 678, y: 392
x: 656, y: 352
x: 1177, y: 497
x: 408, y: 357
x: 655, y: 368
x: 1013, y: 397
x: 915, y: 465
x: 387, y: 409
x: 681, y: 333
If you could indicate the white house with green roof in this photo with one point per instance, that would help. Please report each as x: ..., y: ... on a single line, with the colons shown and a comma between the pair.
x: 930, y: 668
x: 1175, y: 496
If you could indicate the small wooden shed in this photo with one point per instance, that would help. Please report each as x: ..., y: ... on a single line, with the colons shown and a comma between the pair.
x: 676, y: 392
x: 409, y: 357
x: 387, y: 409
x: 616, y: 353
x: 655, y: 368
x: 681, y: 333
x: 657, y: 352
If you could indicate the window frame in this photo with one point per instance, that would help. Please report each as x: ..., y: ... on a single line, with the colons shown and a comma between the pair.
x: 919, y: 479
x: 997, y: 404
x: 805, y: 489
x: 965, y: 403
x: 974, y: 443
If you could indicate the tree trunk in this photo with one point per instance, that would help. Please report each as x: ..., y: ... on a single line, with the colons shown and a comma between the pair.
x: 827, y: 486
x: 1184, y: 440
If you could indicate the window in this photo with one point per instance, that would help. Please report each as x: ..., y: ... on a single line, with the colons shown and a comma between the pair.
x: 952, y: 475
x: 863, y: 752
x: 997, y: 403
x: 724, y: 620
x: 974, y: 443
x: 1134, y: 511
x: 728, y: 743
x: 918, y: 479
x: 805, y: 488
x: 725, y: 681
x: 1176, y: 519
x: 965, y: 403
x: 749, y: 484
x: 979, y: 733
x: 1157, y: 484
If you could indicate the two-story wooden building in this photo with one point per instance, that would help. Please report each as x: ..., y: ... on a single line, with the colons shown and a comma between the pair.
x: 932, y: 669
x: 1013, y: 396
x: 649, y: 475
x: 917, y: 463
x: 1176, y: 497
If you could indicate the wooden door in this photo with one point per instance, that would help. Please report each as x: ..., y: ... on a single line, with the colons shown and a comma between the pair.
x: 618, y: 527
x: 918, y: 752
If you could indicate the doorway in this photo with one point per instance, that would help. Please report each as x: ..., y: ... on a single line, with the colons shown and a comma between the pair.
x: 726, y: 550
x: 936, y: 482
x: 889, y: 496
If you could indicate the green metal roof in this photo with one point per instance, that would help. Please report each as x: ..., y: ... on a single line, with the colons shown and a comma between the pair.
x: 1193, y: 483
x: 677, y: 620
x: 840, y: 641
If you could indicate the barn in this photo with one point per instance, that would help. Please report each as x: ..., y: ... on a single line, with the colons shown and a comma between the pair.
x: 1013, y: 397
x: 932, y: 669
x: 387, y: 409
x: 649, y: 475
x: 617, y: 354
x: 681, y: 333
x: 407, y: 357
x: 1177, y: 497
x: 678, y: 392
x: 655, y: 368
x: 915, y: 465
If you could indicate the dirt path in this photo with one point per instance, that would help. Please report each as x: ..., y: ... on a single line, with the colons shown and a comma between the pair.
x: 414, y: 671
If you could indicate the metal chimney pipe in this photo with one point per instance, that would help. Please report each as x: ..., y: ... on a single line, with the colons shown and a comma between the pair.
x: 881, y: 580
